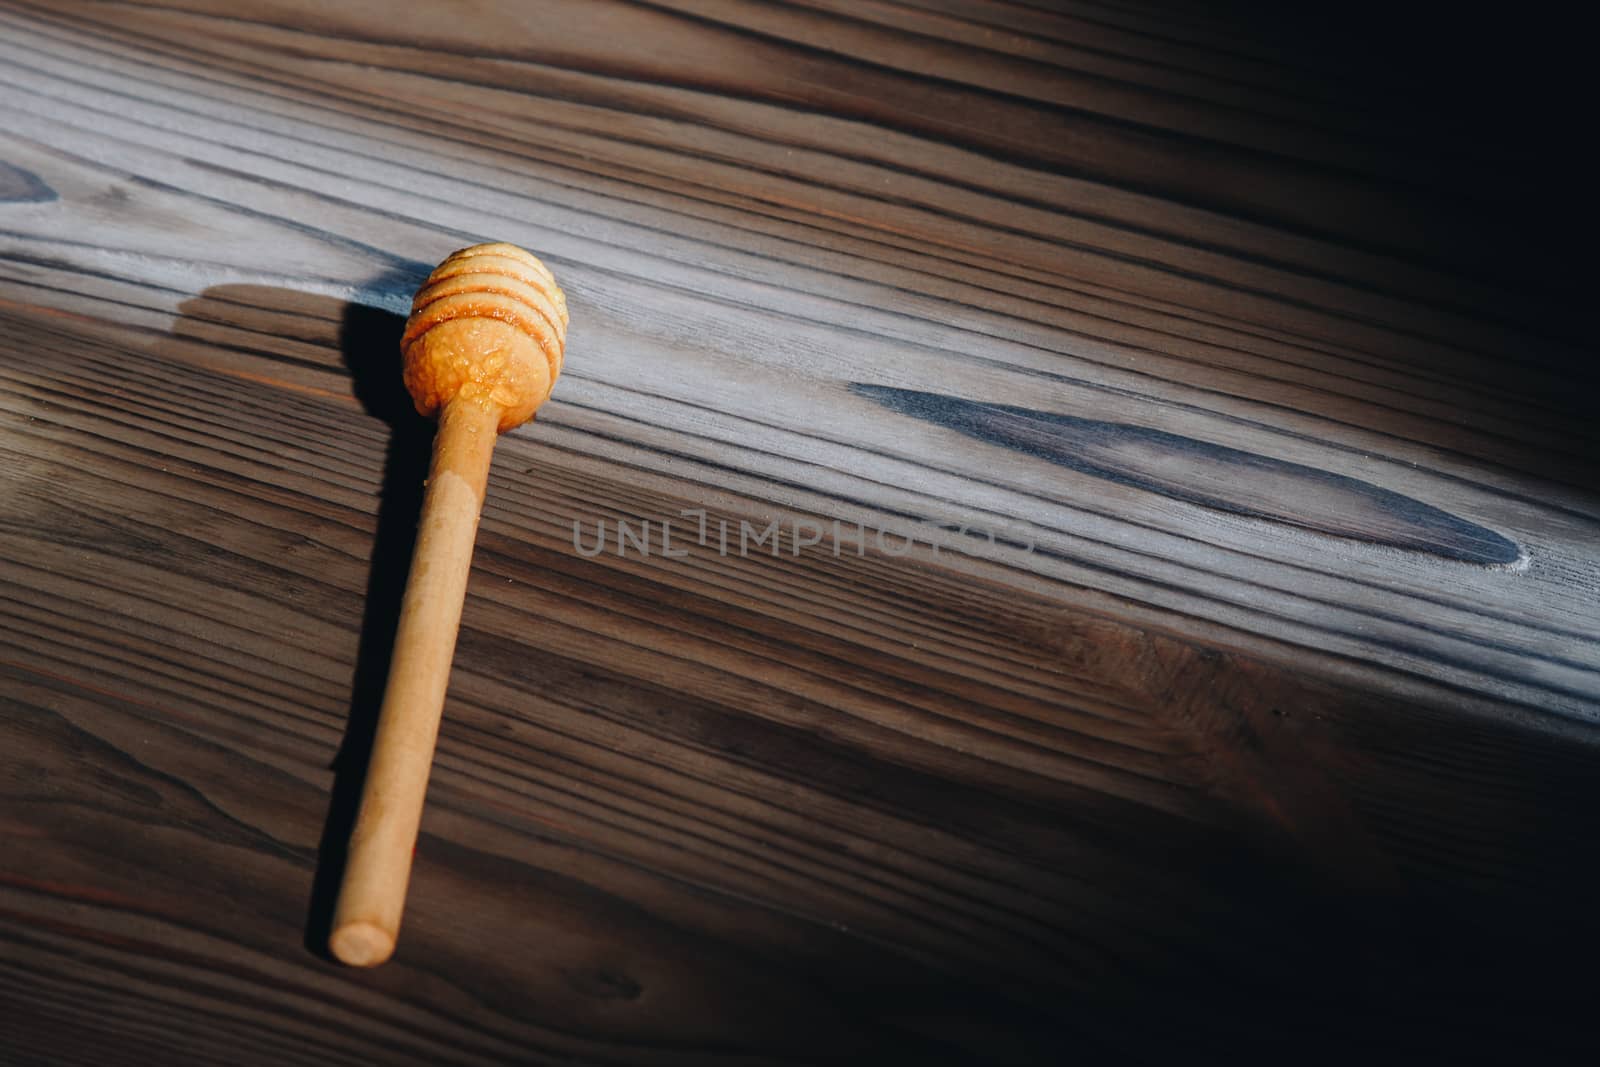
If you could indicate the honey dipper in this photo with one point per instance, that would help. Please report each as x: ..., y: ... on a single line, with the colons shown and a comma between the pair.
x: 481, y: 349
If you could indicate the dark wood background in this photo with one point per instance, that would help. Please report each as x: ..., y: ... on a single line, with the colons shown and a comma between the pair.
x: 1265, y: 729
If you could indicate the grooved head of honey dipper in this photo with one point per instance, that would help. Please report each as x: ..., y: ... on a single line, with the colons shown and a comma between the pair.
x: 489, y: 325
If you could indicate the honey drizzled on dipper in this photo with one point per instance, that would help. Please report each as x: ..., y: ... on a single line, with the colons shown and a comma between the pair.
x: 482, y: 349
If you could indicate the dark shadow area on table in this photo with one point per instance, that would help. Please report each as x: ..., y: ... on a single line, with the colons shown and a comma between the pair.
x: 1470, y: 122
x: 1431, y: 158
x: 1464, y: 117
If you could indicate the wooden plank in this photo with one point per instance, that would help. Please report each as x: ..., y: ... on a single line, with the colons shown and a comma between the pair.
x: 1137, y: 592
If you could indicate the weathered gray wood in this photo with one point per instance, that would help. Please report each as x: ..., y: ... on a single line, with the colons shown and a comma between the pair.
x: 1240, y: 674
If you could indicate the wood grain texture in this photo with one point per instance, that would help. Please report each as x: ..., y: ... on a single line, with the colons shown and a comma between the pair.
x: 1212, y: 476
x: 1163, y: 446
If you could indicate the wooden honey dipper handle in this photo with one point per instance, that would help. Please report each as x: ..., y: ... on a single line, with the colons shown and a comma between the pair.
x: 378, y: 869
x: 482, y: 348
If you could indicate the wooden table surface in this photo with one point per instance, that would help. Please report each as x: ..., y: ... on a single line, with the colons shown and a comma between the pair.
x: 1156, y: 447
